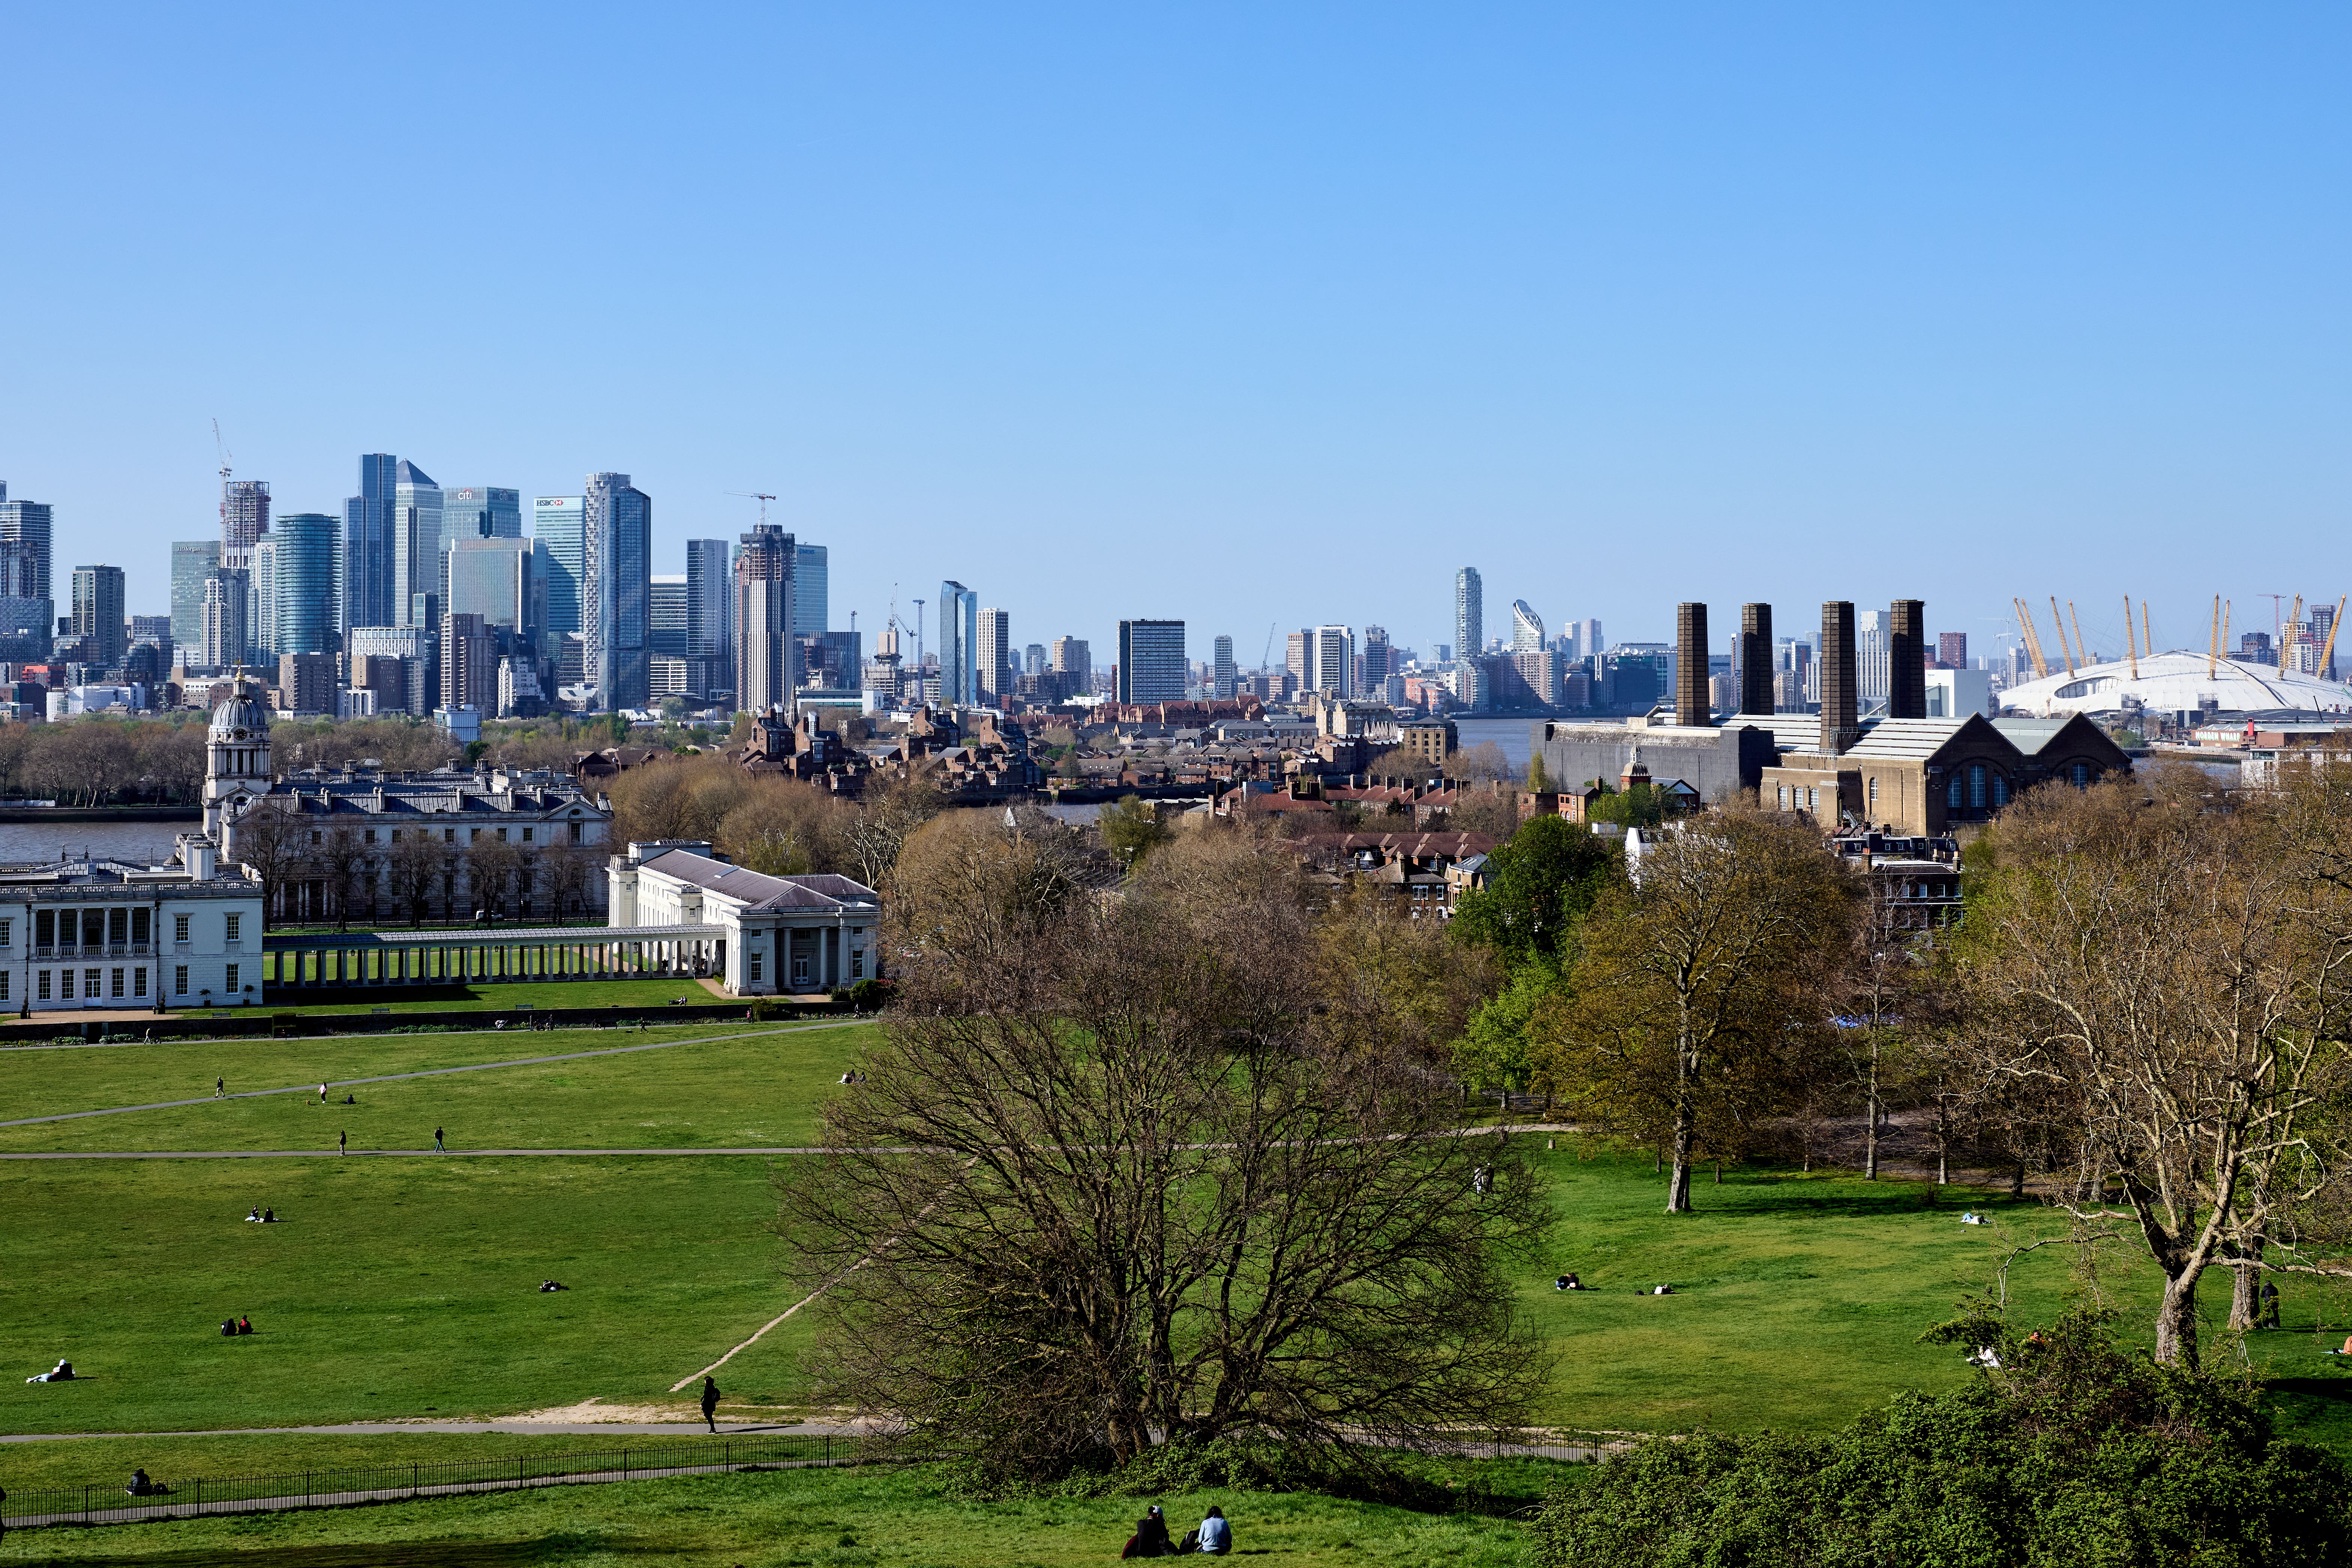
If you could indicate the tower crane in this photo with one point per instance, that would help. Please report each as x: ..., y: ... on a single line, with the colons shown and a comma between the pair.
x: 222, y: 447
x: 762, y: 498
x: 1265, y: 655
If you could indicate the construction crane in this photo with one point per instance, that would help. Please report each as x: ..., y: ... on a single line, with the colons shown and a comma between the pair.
x: 2131, y: 646
x: 1266, y: 659
x: 757, y: 496
x: 2060, y: 622
x: 2032, y: 640
x: 222, y: 447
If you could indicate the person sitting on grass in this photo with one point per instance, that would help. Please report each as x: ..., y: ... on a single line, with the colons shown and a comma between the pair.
x: 140, y: 1486
x: 245, y: 1325
x: 1568, y: 1282
x: 1216, y: 1535
x: 1151, y: 1537
x: 269, y: 1216
x: 229, y: 1327
x: 61, y: 1373
x: 254, y: 1218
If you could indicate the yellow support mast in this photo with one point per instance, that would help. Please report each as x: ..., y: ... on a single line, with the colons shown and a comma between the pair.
x: 2146, y: 631
x: 2080, y: 645
x: 2131, y: 645
x: 2032, y: 640
x: 2327, y: 653
x: 2213, y: 652
x: 2060, y: 622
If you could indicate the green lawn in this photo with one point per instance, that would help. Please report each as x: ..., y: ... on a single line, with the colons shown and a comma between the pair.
x: 783, y: 1518
x: 738, y: 1084
x: 647, y: 995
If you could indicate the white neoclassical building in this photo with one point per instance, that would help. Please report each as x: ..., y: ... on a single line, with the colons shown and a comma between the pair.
x: 108, y: 934
x: 767, y: 935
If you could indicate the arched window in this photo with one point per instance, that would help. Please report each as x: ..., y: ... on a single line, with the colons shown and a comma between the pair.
x: 1952, y: 794
x: 1976, y: 786
x: 1873, y: 791
x: 2082, y: 775
x: 1999, y: 790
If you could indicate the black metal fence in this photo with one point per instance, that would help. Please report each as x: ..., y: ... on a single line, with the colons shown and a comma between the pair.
x: 175, y: 1497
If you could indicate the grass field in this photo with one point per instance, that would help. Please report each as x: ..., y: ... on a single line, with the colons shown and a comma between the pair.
x: 631, y: 996
x: 741, y: 1085
x: 780, y: 1519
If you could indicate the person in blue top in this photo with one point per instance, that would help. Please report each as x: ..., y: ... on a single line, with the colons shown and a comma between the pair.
x: 1216, y: 1535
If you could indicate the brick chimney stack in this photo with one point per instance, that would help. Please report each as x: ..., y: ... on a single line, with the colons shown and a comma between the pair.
x: 1840, y: 728
x: 1756, y: 655
x: 1692, y: 708
x: 1907, y: 645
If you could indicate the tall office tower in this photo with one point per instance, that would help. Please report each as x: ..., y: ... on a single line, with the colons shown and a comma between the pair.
x: 305, y: 551
x: 617, y: 528
x: 557, y: 522
x: 1589, y: 641
x: 98, y: 610
x: 25, y: 528
x: 1872, y: 664
x: 810, y: 607
x: 1222, y: 673
x: 1332, y: 661
x: 263, y: 574
x: 763, y: 618
x: 496, y: 579
x: 368, y: 554
x: 481, y: 511
x: 1295, y: 657
x: 668, y: 636
x: 1151, y: 666
x: 193, y: 560
x: 2323, y: 626
x: 415, y: 543
x: 1379, y: 661
x: 711, y: 602
x: 469, y: 665
x: 151, y: 628
x: 1952, y: 649
x: 1469, y: 614
x: 245, y: 518
x: 227, y: 638
x: 1526, y: 628
x: 992, y: 656
x: 1070, y: 656
x: 959, y: 609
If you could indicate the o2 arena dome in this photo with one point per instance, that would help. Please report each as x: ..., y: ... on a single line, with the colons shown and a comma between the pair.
x: 2178, y: 682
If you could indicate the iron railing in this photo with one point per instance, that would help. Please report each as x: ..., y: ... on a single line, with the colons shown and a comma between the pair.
x: 175, y: 1497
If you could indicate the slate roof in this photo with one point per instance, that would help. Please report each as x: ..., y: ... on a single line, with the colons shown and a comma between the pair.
x: 762, y: 893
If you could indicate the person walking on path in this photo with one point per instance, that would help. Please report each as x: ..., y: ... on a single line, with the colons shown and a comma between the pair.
x: 322, y: 1093
x: 438, y: 1148
x: 711, y: 1401
x: 220, y: 1089
x: 342, y: 1142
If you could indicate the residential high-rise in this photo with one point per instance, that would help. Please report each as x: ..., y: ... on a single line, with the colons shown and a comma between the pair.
x: 98, y: 610
x: 416, y: 542
x: 1379, y: 661
x: 1222, y: 674
x: 1152, y: 666
x: 1590, y: 644
x: 558, y: 523
x: 1032, y: 659
x: 1332, y: 661
x: 368, y: 556
x: 228, y: 635
x: 469, y: 665
x: 1071, y: 657
x: 1952, y: 649
x: 615, y: 610
x: 810, y: 609
x: 305, y: 559
x: 306, y: 681
x: 1469, y: 614
x: 710, y: 605
x: 763, y: 619
x: 400, y: 664
x: 992, y: 656
x: 25, y: 528
x: 959, y: 609
x: 245, y: 518
x: 668, y: 637
x: 1526, y: 628
x: 1296, y: 657
x: 193, y: 560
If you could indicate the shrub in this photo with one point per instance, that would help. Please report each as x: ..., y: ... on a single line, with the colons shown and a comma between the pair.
x: 867, y: 995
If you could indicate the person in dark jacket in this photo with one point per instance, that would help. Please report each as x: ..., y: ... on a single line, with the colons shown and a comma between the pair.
x: 1151, y: 1537
x: 711, y: 1401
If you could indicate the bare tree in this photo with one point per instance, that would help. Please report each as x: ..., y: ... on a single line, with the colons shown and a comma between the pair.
x: 570, y: 869
x: 273, y: 840
x: 1103, y: 1185
x: 414, y: 862
x: 890, y: 810
x: 490, y: 867
x: 345, y: 860
x: 2169, y: 969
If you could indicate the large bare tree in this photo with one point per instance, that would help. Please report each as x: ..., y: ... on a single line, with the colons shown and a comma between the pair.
x: 2168, y: 967
x: 1103, y: 1183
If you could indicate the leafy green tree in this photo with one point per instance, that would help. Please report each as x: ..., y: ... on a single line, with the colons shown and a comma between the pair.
x: 1539, y: 886
x: 1129, y: 830
x: 1538, y: 780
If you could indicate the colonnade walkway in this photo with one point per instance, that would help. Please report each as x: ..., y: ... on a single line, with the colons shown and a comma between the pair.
x: 490, y: 954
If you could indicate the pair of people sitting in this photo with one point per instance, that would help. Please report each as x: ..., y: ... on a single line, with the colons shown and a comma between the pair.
x: 142, y: 1486
x: 236, y: 1326
x: 262, y: 1216
x: 547, y: 1284
x: 1568, y: 1282
x: 1215, y: 1537
x: 61, y: 1373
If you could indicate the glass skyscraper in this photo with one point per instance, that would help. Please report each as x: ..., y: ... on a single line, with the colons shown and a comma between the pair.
x: 193, y: 560
x: 958, y: 645
x: 809, y: 606
x: 558, y: 523
x: 1151, y: 666
x: 25, y: 525
x: 1469, y: 614
x: 495, y: 578
x: 306, y: 548
x: 416, y: 542
x: 668, y: 601
x: 98, y: 610
x: 369, y: 555
x: 616, y: 584
x: 710, y: 602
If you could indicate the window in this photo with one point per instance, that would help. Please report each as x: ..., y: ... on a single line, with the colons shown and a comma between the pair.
x: 448, y: 835
x: 395, y: 835
x: 179, y: 981
x: 41, y: 984
x: 139, y: 926
x: 753, y: 960
x: 2082, y: 772
x: 526, y: 836
x: 317, y: 837
x: 117, y: 978
x: 232, y: 924
x: 1812, y: 800
x: 118, y: 926
x: 45, y: 926
x: 473, y: 835
x: 575, y: 833
x: 2000, y: 789
x: 138, y: 985
x: 1952, y: 795
x: 179, y: 928
x: 1976, y: 786
x: 65, y: 985
x: 502, y: 834
x: 370, y: 835
x: 856, y: 968
x: 231, y: 980
x: 89, y: 984
x: 4, y: 985
x: 7, y: 932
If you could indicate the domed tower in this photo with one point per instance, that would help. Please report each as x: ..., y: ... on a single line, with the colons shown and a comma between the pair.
x: 237, y: 758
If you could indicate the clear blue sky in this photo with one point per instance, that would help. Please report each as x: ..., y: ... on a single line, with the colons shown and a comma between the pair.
x: 1245, y: 314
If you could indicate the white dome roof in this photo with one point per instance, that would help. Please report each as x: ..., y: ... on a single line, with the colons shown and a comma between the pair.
x: 243, y: 716
x: 2171, y: 682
